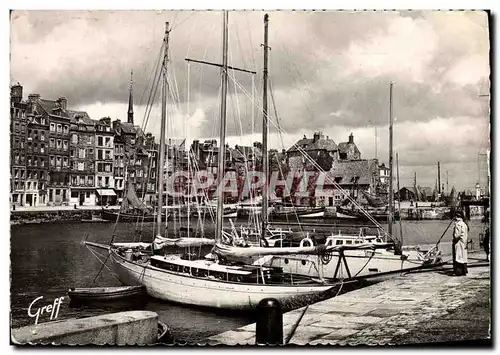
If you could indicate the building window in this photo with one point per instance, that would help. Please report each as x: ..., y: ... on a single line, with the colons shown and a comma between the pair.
x: 65, y: 145
x: 81, y: 166
x: 72, y: 152
x: 74, y: 194
x: 28, y: 185
x: 99, y: 154
x: 91, y: 166
x: 34, y: 185
x: 52, y: 127
x: 52, y: 143
x: 74, y: 138
x: 81, y: 153
x: 91, y: 151
x: 42, y: 148
x: 66, y: 129
x: 99, y: 181
x: 106, y: 181
x: 107, y: 155
x: 82, y: 180
x: 107, y: 168
x: 59, y: 128
x: 99, y: 141
x: 90, y: 180
x: 58, y: 161
x: 65, y: 162
x: 42, y: 135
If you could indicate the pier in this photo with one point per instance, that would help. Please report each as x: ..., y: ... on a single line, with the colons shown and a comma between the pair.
x: 419, y: 307
x: 123, y: 328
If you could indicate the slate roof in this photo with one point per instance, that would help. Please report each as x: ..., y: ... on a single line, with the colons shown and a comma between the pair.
x: 350, y: 170
x: 128, y: 128
x: 49, y: 105
x: 309, y: 144
x: 241, y: 151
x: 344, y: 147
x: 83, y: 117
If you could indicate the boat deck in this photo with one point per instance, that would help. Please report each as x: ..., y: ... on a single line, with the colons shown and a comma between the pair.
x: 384, y: 313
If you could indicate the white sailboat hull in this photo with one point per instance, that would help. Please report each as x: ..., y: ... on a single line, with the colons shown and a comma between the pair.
x: 320, y: 214
x: 359, y: 262
x: 185, y: 289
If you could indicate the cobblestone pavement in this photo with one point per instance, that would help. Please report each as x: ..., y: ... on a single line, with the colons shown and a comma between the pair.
x: 382, y: 314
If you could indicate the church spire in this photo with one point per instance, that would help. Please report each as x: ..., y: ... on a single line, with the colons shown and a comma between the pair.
x: 130, y: 112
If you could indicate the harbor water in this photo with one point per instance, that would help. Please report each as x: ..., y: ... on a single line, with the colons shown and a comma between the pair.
x: 48, y: 259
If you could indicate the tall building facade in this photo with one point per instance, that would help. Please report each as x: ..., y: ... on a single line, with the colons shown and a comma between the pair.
x: 18, y: 129
x: 82, y: 154
x: 104, y: 147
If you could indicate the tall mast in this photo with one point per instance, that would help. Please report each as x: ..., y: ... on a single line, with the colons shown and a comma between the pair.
x: 265, y: 164
x: 161, y: 163
x: 222, y: 130
x: 399, y: 200
x: 391, y: 188
x: 439, y: 178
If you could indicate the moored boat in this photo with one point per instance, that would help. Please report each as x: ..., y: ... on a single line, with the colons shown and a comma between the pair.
x: 106, y: 294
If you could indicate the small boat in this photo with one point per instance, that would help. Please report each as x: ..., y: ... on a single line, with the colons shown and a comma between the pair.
x: 112, y: 215
x: 164, y: 334
x: 300, y: 212
x: 106, y: 294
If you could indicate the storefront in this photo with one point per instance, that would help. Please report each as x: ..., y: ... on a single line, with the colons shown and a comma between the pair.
x: 105, y: 197
x: 83, y: 196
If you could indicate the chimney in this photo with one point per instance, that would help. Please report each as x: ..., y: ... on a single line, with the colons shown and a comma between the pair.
x: 316, y: 136
x: 63, y: 102
x: 16, y: 93
x: 257, y: 145
x: 351, y: 138
x: 116, y: 124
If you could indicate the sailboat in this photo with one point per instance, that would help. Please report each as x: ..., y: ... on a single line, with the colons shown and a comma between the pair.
x: 208, y: 282
x: 131, y: 210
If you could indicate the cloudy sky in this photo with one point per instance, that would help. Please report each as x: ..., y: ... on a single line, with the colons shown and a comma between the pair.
x: 329, y: 71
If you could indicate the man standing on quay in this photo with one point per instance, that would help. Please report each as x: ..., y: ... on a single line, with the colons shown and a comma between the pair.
x: 460, y: 233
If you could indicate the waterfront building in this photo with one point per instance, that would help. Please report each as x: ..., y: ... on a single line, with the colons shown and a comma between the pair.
x: 104, y: 149
x: 323, y: 151
x: 37, y: 158
x: 353, y: 176
x: 58, y: 147
x: 348, y: 150
x: 119, y: 166
x: 18, y: 129
x: 82, y: 154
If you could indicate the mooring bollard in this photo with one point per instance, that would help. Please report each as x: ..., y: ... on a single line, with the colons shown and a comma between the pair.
x: 269, y: 327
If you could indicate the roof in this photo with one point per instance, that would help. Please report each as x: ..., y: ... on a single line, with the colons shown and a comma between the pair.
x: 49, y: 105
x: 82, y: 115
x: 309, y: 144
x: 344, y: 147
x: 242, y: 152
x: 352, y: 170
x: 128, y: 128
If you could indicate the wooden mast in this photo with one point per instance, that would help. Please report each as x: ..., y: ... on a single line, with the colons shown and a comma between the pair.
x: 265, y: 163
x: 390, y: 215
x: 399, y: 200
x: 162, y: 130
x: 222, y: 131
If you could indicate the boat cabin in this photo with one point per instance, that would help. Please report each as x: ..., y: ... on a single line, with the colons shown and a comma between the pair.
x: 210, y: 269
